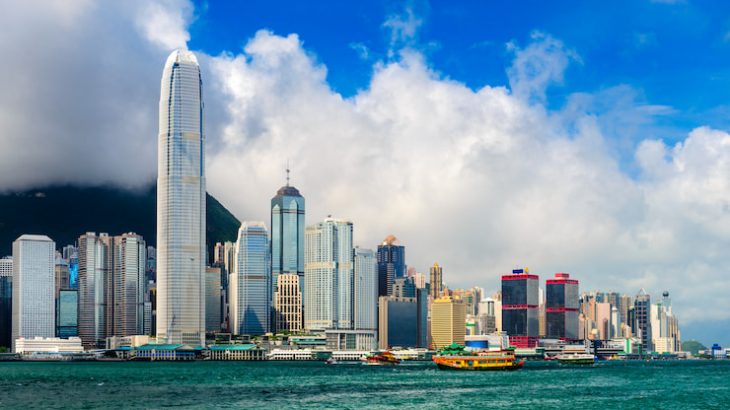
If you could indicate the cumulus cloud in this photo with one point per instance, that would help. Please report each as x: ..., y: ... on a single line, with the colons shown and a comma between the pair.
x: 478, y: 180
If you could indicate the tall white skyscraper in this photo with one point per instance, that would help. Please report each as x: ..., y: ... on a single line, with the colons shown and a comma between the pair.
x: 366, y: 289
x: 181, y: 204
x: 328, y: 275
x: 34, y: 307
x: 130, y: 257
x: 250, y: 282
x: 95, y: 285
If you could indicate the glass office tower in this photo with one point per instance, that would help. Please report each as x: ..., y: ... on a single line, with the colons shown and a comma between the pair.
x: 181, y: 256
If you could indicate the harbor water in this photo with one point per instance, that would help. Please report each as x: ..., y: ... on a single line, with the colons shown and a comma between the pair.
x: 275, y: 385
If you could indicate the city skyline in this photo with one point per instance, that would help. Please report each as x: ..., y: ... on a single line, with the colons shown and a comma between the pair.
x: 559, y: 190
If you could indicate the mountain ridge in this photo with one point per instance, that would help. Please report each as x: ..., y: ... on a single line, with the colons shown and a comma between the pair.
x: 65, y: 212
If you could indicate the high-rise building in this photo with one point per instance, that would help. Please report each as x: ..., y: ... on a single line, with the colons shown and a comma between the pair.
x: 67, y: 313
x: 366, y: 289
x: 34, y: 310
x: 437, y: 281
x: 561, y: 307
x: 111, y: 278
x: 128, y: 273
x: 448, y: 318
x: 95, y: 289
x: 404, y: 288
x: 288, y: 303
x: 6, y: 301
x: 391, y: 264
x: 642, y: 320
x: 250, y: 282
x: 401, y: 322
x: 664, y: 327
x: 287, y: 236
x: 181, y: 253
x: 328, y: 275
x: 62, y: 274
x: 487, y: 320
x: 419, y: 279
x: 213, y: 297
x: 520, y: 308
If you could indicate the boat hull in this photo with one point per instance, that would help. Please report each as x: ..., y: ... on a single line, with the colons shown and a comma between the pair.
x: 475, y: 363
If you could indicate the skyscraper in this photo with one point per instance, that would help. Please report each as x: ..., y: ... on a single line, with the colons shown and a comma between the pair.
x: 213, y: 298
x: 561, y: 307
x: 288, y: 303
x: 181, y: 256
x: 391, y: 264
x: 642, y: 320
x: 128, y: 270
x: 328, y: 275
x: 250, y: 282
x: 287, y: 236
x: 366, y: 289
x: 6, y: 301
x: 34, y: 310
x: 94, y: 280
x: 448, y: 317
x: 520, y: 308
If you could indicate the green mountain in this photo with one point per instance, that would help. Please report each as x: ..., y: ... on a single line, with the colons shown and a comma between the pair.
x: 66, y: 212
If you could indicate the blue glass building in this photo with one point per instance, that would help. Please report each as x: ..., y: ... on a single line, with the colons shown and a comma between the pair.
x: 287, y: 234
x: 391, y: 265
x: 250, y: 283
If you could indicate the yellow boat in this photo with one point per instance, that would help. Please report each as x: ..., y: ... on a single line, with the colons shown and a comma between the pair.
x: 455, y: 358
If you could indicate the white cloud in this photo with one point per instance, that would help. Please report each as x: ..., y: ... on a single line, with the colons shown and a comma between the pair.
x: 165, y: 23
x: 539, y: 65
x: 478, y: 180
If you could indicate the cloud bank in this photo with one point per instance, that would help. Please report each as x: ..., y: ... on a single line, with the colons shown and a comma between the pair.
x: 478, y: 180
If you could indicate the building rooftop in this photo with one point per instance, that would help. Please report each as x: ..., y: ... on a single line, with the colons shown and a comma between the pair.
x: 288, y: 190
x: 181, y: 56
x: 233, y: 347
x: 28, y: 237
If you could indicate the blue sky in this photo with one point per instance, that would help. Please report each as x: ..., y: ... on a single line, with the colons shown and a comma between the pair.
x: 609, y: 162
x: 673, y: 53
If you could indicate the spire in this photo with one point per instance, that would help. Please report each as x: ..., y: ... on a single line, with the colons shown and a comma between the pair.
x: 287, y: 172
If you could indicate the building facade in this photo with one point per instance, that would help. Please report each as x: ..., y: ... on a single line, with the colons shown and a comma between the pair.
x: 6, y: 301
x: 34, y: 310
x: 287, y: 243
x: 520, y: 301
x: 391, y: 264
x: 561, y: 307
x: 128, y: 273
x: 213, y: 299
x: 288, y: 304
x: 642, y: 320
x: 437, y: 281
x: 181, y: 255
x: 366, y: 289
x: 448, y: 322
x: 328, y: 275
x: 250, y: 282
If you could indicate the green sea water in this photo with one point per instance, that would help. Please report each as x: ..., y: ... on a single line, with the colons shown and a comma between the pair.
x: 279, y: 385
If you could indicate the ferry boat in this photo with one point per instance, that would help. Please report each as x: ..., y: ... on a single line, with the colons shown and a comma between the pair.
x: 380, y: 359
x: 576, y: 358
x: 454, y: 357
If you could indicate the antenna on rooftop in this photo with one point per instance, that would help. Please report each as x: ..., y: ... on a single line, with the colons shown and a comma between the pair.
x: 287, y: 172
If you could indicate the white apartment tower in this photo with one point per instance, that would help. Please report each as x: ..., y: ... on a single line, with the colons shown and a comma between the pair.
x: 34, y: 308
x: 181, y: 257
x: 328, y: 275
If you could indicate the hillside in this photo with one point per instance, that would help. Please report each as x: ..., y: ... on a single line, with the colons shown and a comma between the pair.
x: 64, y: 213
